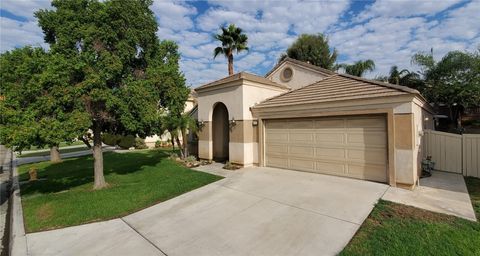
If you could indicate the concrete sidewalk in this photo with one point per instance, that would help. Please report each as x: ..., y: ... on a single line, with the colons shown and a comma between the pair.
x: 35, y: 159
x: 254, y: 211
x: 442, y: 192
x: 5, y: 163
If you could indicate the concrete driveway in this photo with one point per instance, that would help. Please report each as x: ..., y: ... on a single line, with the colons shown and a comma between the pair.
x: 254, y: 211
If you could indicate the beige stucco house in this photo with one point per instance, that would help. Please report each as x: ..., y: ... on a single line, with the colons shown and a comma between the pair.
x: 302, y: 117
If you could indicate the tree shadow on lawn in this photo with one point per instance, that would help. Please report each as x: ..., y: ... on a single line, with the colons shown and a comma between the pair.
x: 72, y: 173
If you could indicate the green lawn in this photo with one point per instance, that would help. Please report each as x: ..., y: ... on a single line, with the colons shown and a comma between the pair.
x: 47, y: 153
x: 137, y: 180
x: 473, y: 185
x: 395, y: 229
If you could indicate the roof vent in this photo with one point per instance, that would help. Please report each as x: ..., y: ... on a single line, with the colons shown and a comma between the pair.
x: 287, y: 74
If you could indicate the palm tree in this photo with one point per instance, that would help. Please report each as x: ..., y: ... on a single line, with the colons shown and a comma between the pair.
x: 399, y: 77
x: 179, y: 126
x: 404, y: 77
x: 232, y: 39
x: 358, y: 68
x: 395, y: 75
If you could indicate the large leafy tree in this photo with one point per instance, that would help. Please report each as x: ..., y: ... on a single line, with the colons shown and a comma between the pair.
x: 454, y: 80
x: 37, y: 109
x: 358, y: 68
x: 121, y: 67
x: 233, y: 40
x: 313, y: 49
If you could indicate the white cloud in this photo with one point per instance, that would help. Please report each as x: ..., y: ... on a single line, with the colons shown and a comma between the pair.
x: 461, y: 23
x: 393, y: 32
x: 173, y: 14
x: 387, y: 31
x: 249, y: 61
x: 405, y: 8
x: 25, y: 8
x: 270, y: 25
x: 15, y: 33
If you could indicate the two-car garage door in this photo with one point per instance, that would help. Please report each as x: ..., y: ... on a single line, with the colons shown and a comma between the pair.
x: 346, y: 146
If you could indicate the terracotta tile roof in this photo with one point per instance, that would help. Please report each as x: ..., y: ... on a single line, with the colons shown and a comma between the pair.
x: 338, y: 87
x: 241, y: 76
x: 323, y: 71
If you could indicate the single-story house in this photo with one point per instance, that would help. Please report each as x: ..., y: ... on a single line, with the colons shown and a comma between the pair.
x: 306, y: 118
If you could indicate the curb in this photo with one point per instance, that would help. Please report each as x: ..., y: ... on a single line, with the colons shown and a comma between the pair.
x: 18, y: 239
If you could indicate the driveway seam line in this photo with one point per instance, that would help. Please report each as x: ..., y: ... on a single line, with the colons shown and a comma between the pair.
x: 384, y: 192
x: 300, y: 208
x: 144, y: 237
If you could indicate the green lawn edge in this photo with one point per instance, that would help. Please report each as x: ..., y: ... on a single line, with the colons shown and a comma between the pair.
x: 395, y: 229
x: 64, y: 197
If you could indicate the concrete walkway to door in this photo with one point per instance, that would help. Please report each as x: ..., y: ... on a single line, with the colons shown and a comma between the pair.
x: 442, y: 192
x: 254, y: 211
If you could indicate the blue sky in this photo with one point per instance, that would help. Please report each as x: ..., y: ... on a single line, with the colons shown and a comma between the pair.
x: 388, y: 32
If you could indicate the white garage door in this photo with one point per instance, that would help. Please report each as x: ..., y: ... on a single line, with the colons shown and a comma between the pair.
x: 345, y: 146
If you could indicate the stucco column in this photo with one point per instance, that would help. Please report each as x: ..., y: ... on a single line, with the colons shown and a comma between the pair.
x: 406, y: 175
x: 205, y: 145
x: 243, y: 146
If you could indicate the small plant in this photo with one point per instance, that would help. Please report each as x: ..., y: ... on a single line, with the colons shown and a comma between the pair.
x: 230, y: 166
x: 33, y: 173
x: 173, y: 156
x: 191, y: 161
x: 158, y: 144
x: 140, y: 143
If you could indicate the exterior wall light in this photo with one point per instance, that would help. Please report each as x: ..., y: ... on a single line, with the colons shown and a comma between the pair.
x: 254, y: 122
x: 232, y: 122
x: 201, y: 124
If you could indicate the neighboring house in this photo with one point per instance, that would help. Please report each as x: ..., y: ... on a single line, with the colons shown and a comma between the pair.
x: 306, y: 118
x: 190, y: 104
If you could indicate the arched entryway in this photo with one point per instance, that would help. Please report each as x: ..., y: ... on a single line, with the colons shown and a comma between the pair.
x: 220, y: 132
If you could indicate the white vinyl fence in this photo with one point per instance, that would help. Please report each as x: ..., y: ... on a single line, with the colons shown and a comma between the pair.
x: 453, y: 152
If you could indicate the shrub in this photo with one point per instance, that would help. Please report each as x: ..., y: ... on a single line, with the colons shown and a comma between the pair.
x: 230, y: 166
x: 158, y: 144
x: 190, y: 159
x: 126, y: 142
x: 140, y: 143
x: 111, y: 139
x: 173, y: 156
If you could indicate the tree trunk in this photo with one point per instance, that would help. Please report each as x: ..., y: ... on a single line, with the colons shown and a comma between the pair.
x: 452, y: 114
x: 185, y: 142
x: 99, y: 179
x: 459, y: 119
x: 55, y: 154
x: 230, y: 64
x: 180, y: 146
x: 85, y: 141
